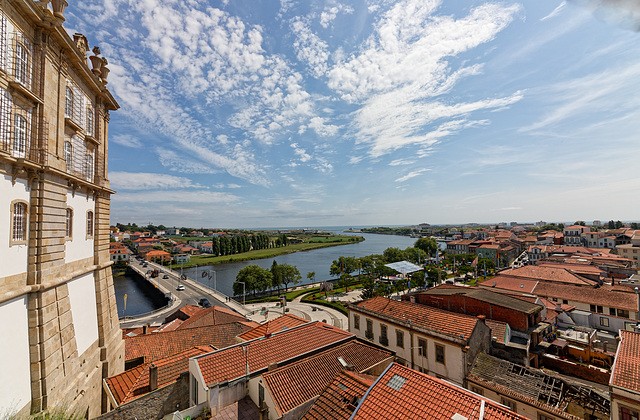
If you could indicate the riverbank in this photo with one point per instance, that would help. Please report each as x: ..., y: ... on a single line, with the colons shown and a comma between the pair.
x: 200, y: 260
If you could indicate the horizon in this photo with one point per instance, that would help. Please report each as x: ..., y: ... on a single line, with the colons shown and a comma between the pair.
x: 256, y: 113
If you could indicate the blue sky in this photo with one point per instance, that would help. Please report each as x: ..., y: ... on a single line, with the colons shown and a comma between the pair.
x: 252, y: 113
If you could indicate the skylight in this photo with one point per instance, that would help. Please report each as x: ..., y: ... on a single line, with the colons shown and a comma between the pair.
x: 396, y: 382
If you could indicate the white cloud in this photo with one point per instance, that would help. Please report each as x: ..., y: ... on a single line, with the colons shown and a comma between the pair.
x: 401, y: 162
x: 177, y: 196
x: 148, y: 181
x: 410, y: 175
x: 310, y: 49
x: 301, y: 153
x: 126, y: 140
x: 556, y: 11
x: 331, y: 12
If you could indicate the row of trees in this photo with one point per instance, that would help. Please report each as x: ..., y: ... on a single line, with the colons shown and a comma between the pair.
x: 257, y: 279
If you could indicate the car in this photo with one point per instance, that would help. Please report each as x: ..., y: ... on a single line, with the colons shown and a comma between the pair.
x: 180, y: 287
x: 160, y: 271
x: 166, y: 276
x: 204, y: 302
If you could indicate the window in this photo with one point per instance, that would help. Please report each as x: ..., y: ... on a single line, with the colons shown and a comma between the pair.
x: 369, y: 332
x: 612, y: 311
x: 69, y: 223
x: 599, y: 309
x: 194, y: 390
x: 623, y: 313
x: 18, y: 223
x: 356, y: 322
x: 604, y: 322
x: 439, y: 353
x: 89, y: 224
x: 19, y: 136
x: 90, y: 121
x: 511, y: 404
x: 68, y: 154
x: 422, y: 347
x: 565, y: 301
x: 21, y: 66
x: 628, y: 414
x: 68, y: 103
x: 477, y: 390
x: 544, y: 417
x: 592, y: 308
x: 400, y: 338
x: 89, y: 167
x: 384, y: 340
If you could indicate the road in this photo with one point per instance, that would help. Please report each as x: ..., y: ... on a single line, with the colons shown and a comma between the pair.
x: 191, y: 295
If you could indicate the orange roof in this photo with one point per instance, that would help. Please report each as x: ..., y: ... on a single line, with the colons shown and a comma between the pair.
x: 312, y: 374
x: 405, y: 393
x: 232, y: 362
x: 215, y: 315
x: 157, y: 252
x: 340, y: 398
x: 626, y: 368
x: 545, y: 273
x: 162, y: 344
x: 278, y: 324
x: 498, y: 330
x: 445, y: 322
x: 510, y: 283
x: 134, y: 382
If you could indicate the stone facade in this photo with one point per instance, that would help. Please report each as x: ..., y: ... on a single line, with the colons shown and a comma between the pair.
x: 54, y: 116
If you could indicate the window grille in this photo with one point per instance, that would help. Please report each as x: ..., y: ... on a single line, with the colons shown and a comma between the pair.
x: 19, y: 219
x: 90, y: 121
x: 68, y: 103
x: 68, y: 154
x: 78, y: 106
x: 6, y: 106
x: 4, y: 45
x: 89, y: 223
x: 19, y: 136
x: 89, y: 167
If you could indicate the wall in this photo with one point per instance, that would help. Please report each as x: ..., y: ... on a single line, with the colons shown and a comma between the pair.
x: 522, y: 408
x: 14, y: 258
x: 625, y: 398
x: 82, y: 297
x: 15, y: 386
x: 80, y: 246
x: 573, y: 369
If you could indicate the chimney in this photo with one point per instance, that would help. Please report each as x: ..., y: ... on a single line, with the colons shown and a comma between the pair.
x: 494, y: 284
x: 558, y: 307
x: 272, y: 366
x: 482, y: 318
x: 153, y: 377
x: 145, y: 329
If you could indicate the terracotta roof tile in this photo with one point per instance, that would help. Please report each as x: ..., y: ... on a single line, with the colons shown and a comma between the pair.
x: 296, y: 383
x: 162, y: 344
x: 339, y: 399
x: 626, y: 368
x: 215, y: 315
x: 550, y: 274
x: 257, y: 354
x: 445, y: 322
x: 402, y: 393
x: 275, y: 325
x: 498, y: 330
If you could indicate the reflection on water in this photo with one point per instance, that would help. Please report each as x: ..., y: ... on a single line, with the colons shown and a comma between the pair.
x: 318, y: 260
x: 139, y: 299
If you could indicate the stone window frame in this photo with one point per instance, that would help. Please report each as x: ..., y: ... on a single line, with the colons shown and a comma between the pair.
x: 90, y: 120
x: 90, y: 166
x: 24, y: 223
x: 68, y: 224
x: 422, y: 347
x: 512, y: 405
x: 90, y: 228
x: 68, y: 101
x: 20, y: 136
x: 440, y: 353
x: 356, y: 321
x: 68, y: 154
x: 399, y: 338
x: 22, y: 65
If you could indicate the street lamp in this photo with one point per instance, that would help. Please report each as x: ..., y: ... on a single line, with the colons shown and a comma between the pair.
x: 243, y: 292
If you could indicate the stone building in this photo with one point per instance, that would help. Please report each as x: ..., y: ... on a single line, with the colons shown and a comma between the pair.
x: 60, y: 333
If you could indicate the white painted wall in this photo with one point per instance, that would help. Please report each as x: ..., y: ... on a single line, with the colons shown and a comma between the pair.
x: 13, y: 258
x: 15, y: 386
x: 82, y: 297
x: 80, y: 247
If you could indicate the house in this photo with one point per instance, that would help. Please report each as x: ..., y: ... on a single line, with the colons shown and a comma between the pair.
x: 631, y: 250
x: 339, y: 400
x: 182, y: 258
x: 427, y: 339
x: 573, y: 234
x: 624, y: 385
x: 173, y: 232
x: 533, y: 393
x: 157, y: 255
x: 608, y: 242
x: 60, y: 332
x: 403, y: 393
x: 290, y: 390
x: 590, y: 239
x: 280, y: 323
x: 119, y: 253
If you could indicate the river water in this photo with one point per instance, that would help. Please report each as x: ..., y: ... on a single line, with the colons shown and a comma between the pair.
x: 317, y: 260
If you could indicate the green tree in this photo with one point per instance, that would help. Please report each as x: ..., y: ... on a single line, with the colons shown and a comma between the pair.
x: 392, y: 254
x: 256, y: 279
x: 634, y: 225
x: 418, y: 279
x: 311, y: 275
x: 428, y: 245
x: 619, y: 224
x: 415, y: 255
x: 343, y: 265
x: 288, y: 274
x: 368, y: 288
x: 276, y: 280
x: 611, y: 224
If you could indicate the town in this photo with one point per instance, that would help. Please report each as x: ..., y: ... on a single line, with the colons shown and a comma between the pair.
x: 504, y: 321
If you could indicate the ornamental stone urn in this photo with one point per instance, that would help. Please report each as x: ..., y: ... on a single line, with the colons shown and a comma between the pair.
x: 58, y: 7
x: 104, y: 71
x: 96, y: 62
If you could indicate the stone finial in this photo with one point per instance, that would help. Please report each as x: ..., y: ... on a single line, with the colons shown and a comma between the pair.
x: 96, y: 62
x: 104, y: 71
x: 58, y: 7
x: 96, y: 50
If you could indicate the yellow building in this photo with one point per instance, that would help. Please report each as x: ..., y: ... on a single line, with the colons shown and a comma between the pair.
x: 60, y: 333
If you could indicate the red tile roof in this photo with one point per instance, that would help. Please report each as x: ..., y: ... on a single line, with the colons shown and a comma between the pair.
x: 545, y: 273
x: 445, y: 322
x: 257, y: 354
x: 402, y: 393
x: 215, y: 315
x: 626, y: 368
x: 134, y: 382
x: 162, y: 344
x: 294, y: 384
x: 498, y: 330
x: 510, y: 283
x: 340, y: 398
x: 275, y: 325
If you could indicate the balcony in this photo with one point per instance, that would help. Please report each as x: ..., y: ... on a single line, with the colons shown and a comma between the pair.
x: 368, y: 334
x: 384, y: 341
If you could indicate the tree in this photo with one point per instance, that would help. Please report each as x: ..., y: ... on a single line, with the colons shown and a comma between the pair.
x: 343, y: 265
x: 368, y: 288
x: 311, y: 275
x: 288, y: 274
x: 611, y: 224
x: 418, y: 279
x: 415, y: 255
x: 619, y: 224
x: 392, y: 254
x: 428, y: 245
x: 580, y: 223
x: 634, y: 225
x: 275, y: 276
x: 255, y: 278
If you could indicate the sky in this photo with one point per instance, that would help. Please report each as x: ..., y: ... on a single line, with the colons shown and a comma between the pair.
x: 265, y: 113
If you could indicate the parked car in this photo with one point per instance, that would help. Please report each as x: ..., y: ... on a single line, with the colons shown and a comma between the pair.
x: 204, y: 302
x: 166, y: 276
x: 180, y: 287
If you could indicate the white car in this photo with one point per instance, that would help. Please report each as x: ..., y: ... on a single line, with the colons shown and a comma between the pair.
x: 180, y: 287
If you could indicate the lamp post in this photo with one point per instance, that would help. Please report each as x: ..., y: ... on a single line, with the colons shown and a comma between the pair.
x: 243, y: 292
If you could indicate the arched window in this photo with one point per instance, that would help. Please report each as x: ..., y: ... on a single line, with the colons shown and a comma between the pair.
x: 90, y: 123
x: 89, y: 224
x: 68, y: 103
x: 21, y: 65
x: 89, y: 167
x: 68, y: 154
x: 18, y: 222
x: 19, y: 136
x: 69, y: 223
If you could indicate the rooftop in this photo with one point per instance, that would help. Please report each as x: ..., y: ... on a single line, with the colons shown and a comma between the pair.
x: 549, y: 274
x: 405, y: 393
x: 279, y: 324
x: 438, y: 320
x: 339, y: 399
x: 626, y: 368
x: 487, y: 296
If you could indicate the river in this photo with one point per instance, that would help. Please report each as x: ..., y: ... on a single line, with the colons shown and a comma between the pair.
x: 317, y: 260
